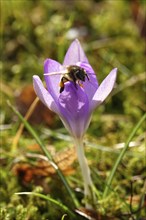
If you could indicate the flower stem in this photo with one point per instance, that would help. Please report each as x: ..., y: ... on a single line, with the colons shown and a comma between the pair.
x: 88, y: 185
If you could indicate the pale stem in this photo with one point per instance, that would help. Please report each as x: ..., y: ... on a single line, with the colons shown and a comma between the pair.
x: 88, y: 185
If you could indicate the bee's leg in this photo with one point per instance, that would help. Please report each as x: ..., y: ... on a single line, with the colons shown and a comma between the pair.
x: 80, y: 84
x: 75, y: 83
x: 87, y: 76
x: 63, y: 80
x: 61, y: 88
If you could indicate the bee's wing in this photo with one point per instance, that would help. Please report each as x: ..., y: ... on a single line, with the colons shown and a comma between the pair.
x: 56, y: 73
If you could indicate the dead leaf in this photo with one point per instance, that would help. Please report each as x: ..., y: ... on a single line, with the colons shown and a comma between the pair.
x: 41, y: 112
x: 28, y: 169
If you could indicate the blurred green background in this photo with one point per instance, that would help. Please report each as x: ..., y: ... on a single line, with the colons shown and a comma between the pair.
x: 112, y: 34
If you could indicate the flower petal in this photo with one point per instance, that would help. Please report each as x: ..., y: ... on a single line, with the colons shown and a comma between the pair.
x: 52, y: 80
x: 44, y: 95
x: 51, y: 66
x: 74, y: 106
x: 104, y: 89
x: 75, y: 54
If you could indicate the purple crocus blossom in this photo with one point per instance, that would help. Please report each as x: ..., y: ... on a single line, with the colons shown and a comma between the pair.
x: 74, y: 105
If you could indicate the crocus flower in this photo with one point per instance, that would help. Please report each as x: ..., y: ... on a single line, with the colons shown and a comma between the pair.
x: 76, y: 103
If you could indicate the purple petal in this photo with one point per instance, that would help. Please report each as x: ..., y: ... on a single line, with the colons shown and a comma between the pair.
x: 52, y: 81
x: 74, y: 106
x: 104, y: 89
x: 43, y: 94
x: 75, y: 54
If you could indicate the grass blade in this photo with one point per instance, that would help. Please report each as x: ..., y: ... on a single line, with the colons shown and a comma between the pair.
x: 121, y: 155
x: 63, y: 207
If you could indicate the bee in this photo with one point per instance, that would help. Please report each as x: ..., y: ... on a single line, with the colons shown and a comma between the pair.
x: 75, y: 74
x: 72, y: 73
